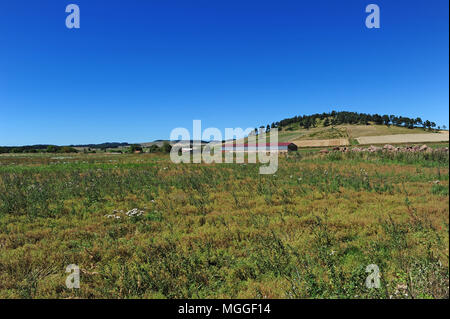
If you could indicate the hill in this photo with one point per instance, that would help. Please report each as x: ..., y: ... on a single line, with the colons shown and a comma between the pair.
x: 350, y: 128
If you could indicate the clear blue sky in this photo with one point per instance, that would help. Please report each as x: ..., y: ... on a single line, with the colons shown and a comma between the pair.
x: 137, y: 69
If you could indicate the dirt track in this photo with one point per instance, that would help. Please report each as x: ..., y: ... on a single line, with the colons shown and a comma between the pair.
x: 404, y: 138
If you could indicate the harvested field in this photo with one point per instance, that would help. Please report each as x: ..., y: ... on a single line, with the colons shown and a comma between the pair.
x: 404, y: 138
x: 322, y: 143
x: 355, y: 131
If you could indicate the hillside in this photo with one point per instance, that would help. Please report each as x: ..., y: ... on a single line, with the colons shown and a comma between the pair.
x: 341, y: 135
x: 351, y: 128
x: 350, y: 132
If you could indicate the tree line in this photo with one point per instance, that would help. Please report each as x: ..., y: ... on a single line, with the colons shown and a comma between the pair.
x: 337, y: 118
x: 164, y: 148
x: 37, y: 149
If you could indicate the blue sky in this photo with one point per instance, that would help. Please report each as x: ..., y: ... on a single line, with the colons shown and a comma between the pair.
x: 137, y: 69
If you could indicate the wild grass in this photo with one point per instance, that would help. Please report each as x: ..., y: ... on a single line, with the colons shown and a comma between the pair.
x: 223, y: 230
x: 435, y: 158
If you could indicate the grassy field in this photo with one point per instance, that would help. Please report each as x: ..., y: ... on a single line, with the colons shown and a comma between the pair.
x: 355, y: 131
x: 223, y: 230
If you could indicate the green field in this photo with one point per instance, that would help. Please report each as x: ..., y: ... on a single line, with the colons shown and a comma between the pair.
x: 223, y: 230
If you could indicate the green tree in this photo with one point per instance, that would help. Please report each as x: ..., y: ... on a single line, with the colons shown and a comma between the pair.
x: 67, y: 149
x: 418, y: 121
x: 154, y: 148
x: 52, y: 149
x: 166, y: 147
x: 135, y: 148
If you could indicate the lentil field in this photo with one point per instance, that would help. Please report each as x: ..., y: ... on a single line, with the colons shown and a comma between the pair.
x: 223, y: 230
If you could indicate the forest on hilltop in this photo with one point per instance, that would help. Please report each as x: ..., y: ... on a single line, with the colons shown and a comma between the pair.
x: 343, y: 117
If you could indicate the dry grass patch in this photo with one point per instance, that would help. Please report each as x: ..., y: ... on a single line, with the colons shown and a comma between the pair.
x: 404, y: 138
x: 322, y: 143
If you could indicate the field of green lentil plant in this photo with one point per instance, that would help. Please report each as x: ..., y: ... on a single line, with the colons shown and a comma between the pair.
x: 222, y: 230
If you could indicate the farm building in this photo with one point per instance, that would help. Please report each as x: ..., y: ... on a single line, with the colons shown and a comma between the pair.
x: 279, y: 147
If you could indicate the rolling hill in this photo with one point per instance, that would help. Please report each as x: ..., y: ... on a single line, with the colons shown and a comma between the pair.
x: 354, y: 134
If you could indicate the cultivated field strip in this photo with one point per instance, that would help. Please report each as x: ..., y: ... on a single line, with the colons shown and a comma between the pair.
x: 404, y: 138
x: 322, y: 143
